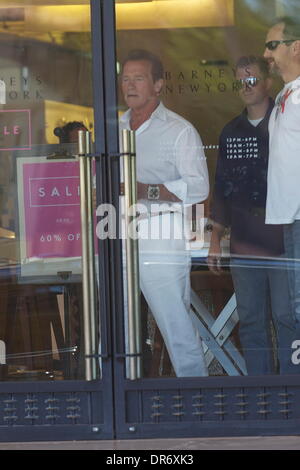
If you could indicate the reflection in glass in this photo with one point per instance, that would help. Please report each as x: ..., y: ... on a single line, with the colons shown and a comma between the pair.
x: 46, y: 69
x: 200, y: 84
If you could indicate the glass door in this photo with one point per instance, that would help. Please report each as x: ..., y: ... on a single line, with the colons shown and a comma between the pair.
x: 47, y: 98
x: 54, y: 359
x: 165, y: 90
x: 209, y: 325
x: 201, y: 188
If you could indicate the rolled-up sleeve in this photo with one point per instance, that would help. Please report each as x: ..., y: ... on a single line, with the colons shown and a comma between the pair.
x: 193, y: 185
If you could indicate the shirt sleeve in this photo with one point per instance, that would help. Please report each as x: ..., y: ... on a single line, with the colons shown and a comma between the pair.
x: 193, y: 185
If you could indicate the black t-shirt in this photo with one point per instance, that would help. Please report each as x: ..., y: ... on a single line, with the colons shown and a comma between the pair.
x: 240, y: 190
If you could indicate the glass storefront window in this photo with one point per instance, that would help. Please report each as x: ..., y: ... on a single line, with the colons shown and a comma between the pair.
x: 204, y: 249
x: 210, y: 68
x: 46, y: 98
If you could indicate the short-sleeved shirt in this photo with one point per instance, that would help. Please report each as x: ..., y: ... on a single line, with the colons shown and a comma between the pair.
x: 283, y: 197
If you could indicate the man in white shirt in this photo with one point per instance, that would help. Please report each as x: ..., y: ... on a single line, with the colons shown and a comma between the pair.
x: 171, y: 169
x: 283, y: 196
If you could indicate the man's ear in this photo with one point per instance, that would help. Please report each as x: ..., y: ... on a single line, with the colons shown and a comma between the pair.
x: 296, y: 47
x: 158, y: 85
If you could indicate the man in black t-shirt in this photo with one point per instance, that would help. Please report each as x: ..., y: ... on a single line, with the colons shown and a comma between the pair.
x: 239, y: 203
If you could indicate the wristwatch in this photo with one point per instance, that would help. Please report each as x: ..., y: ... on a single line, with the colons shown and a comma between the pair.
x: 153, y: 192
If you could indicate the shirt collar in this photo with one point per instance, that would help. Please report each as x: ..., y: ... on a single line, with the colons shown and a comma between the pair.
x: 244, y: 115
x: 294, y: 84
x: 160, y: 113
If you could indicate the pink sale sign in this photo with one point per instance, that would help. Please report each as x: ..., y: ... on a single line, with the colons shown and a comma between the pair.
x: 52, y: 209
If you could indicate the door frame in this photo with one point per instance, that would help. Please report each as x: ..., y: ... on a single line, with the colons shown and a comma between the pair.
x: 73, y: 410
x: 115, y: 407
x: 185, y: 407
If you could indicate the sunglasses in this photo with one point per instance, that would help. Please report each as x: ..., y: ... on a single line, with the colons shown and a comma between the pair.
x: 249, y: 82
x: 272, y: 45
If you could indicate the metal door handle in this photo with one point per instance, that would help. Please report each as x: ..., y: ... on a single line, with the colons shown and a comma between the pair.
x: 88, y: 253
x: 132, y: 256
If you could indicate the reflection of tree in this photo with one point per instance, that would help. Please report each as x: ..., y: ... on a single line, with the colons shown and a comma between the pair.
x: 279, y: 7
x: 287, y: 8
x: 78, y: 41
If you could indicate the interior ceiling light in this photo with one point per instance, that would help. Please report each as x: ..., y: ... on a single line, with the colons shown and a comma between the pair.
x: 29, y: 3
x: 168, y: 14
x: 143, y: 1
x: 74, y: 15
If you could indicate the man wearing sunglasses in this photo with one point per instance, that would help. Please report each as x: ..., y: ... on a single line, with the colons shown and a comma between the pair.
x: 283, y: 197
x: 239, y: 203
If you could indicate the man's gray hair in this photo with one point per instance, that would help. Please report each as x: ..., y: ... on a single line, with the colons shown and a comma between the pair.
x: 141, y: 54
x: 291, y: 27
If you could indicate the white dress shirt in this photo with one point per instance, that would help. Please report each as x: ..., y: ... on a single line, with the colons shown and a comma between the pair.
x: 283, y: 196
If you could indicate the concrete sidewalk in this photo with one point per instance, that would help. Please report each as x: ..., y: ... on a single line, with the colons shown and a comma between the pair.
x: 234, y: 443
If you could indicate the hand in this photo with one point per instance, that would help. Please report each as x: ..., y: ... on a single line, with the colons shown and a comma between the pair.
x: 142, y: 190
x: 214, y: 264
x: 214, y: 260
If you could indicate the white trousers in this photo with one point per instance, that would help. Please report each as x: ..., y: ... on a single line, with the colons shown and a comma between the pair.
x: 165, y: 283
